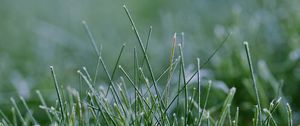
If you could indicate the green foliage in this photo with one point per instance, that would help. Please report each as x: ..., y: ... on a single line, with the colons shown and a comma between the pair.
x: 117, y: 107
x: 148, y: 86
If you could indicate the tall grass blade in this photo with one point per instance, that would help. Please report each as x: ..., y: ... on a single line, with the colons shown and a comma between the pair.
x: 14, y: 116
x: 256, y: 121
x: 185, y: 83
x: 226, y: 106
x: 290, y: 116
x: 270, y: 116
x: 205, y: 103
x: 44, y: 104
x: 58, y: 93
x: 18, y: 111
x: 145, y: 54
x: 86, y: 27
x: 199, y: 88
x: 117, y: 98
x: 195, y: 73
x: 87, y: 73
x: 96, y: 94
x: 29, y: 111
x: 5, y: 118
x: 117, y: 62
x: 136, y: 89
x: 167, y: 87
x: 236, y: 118
x: 253, y: 80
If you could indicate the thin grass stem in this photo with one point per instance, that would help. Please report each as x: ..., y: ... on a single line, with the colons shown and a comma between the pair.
x: 253, y: 80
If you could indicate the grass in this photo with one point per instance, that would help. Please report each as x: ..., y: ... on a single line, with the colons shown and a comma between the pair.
x: 142, y: 97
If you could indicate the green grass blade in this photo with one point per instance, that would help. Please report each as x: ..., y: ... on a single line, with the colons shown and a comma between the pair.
x: 145, y: 54
x: 5, y: 118
x: 270, y: 116
x: 205, y: 103
x: 44, y: 104
x: 14, y: 116
x: 185, y: 83
x: 117, y: 99
x: 195, y: 73
x: 86, y: 27
x: 226, y: 106
x: 253, y: 80
x: 167, y: 90
x: 290, y: 117
x: 199, y: 87
x: 117, y: 62
x: 58, y: 93
x: 256, y: 116
x: 18, y: 111
x: 147, y: 44
x: 87, y: 73
x: 236, y: 118
x: 29, y: 111
x: 136, y: 89
x: 96, y: 94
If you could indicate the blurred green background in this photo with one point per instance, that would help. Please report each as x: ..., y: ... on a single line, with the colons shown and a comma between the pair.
x: 37, y: 33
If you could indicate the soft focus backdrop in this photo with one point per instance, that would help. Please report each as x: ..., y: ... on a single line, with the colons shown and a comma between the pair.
x: 37, y: 33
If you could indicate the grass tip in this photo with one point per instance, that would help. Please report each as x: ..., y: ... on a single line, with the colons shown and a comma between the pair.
x: 83, y: 22
x: 232, y: 90
x: 140, y: 68
x: 51, y: 67
x: 22, y: 98
x: 245, y: 43
x: 278, y: 100
x: 179, y: 45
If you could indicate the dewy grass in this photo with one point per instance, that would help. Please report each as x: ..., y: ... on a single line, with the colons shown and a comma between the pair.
x: 58, y: 92
x: 138, y: 100
x: 254, y: 82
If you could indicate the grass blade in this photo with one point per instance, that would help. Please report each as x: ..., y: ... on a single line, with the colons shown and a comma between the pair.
x: 136, y: 89
x: 58, y: 93
x: 199, y: 87
x: 226, y: 106
x: 253, y: 80
x: 44, y: 104
x: 290, y: 117
x: 195, y: 73
x: 86, y: 27
x: 270, y: 116
x: 18, y: 111
x: 205, y: 103
x: 236, y: 119
x: 29, y: 111
x: 5, y: 118
x: 144, y: 53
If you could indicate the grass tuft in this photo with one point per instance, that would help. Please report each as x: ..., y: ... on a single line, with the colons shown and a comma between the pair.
x: 145, y: 98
